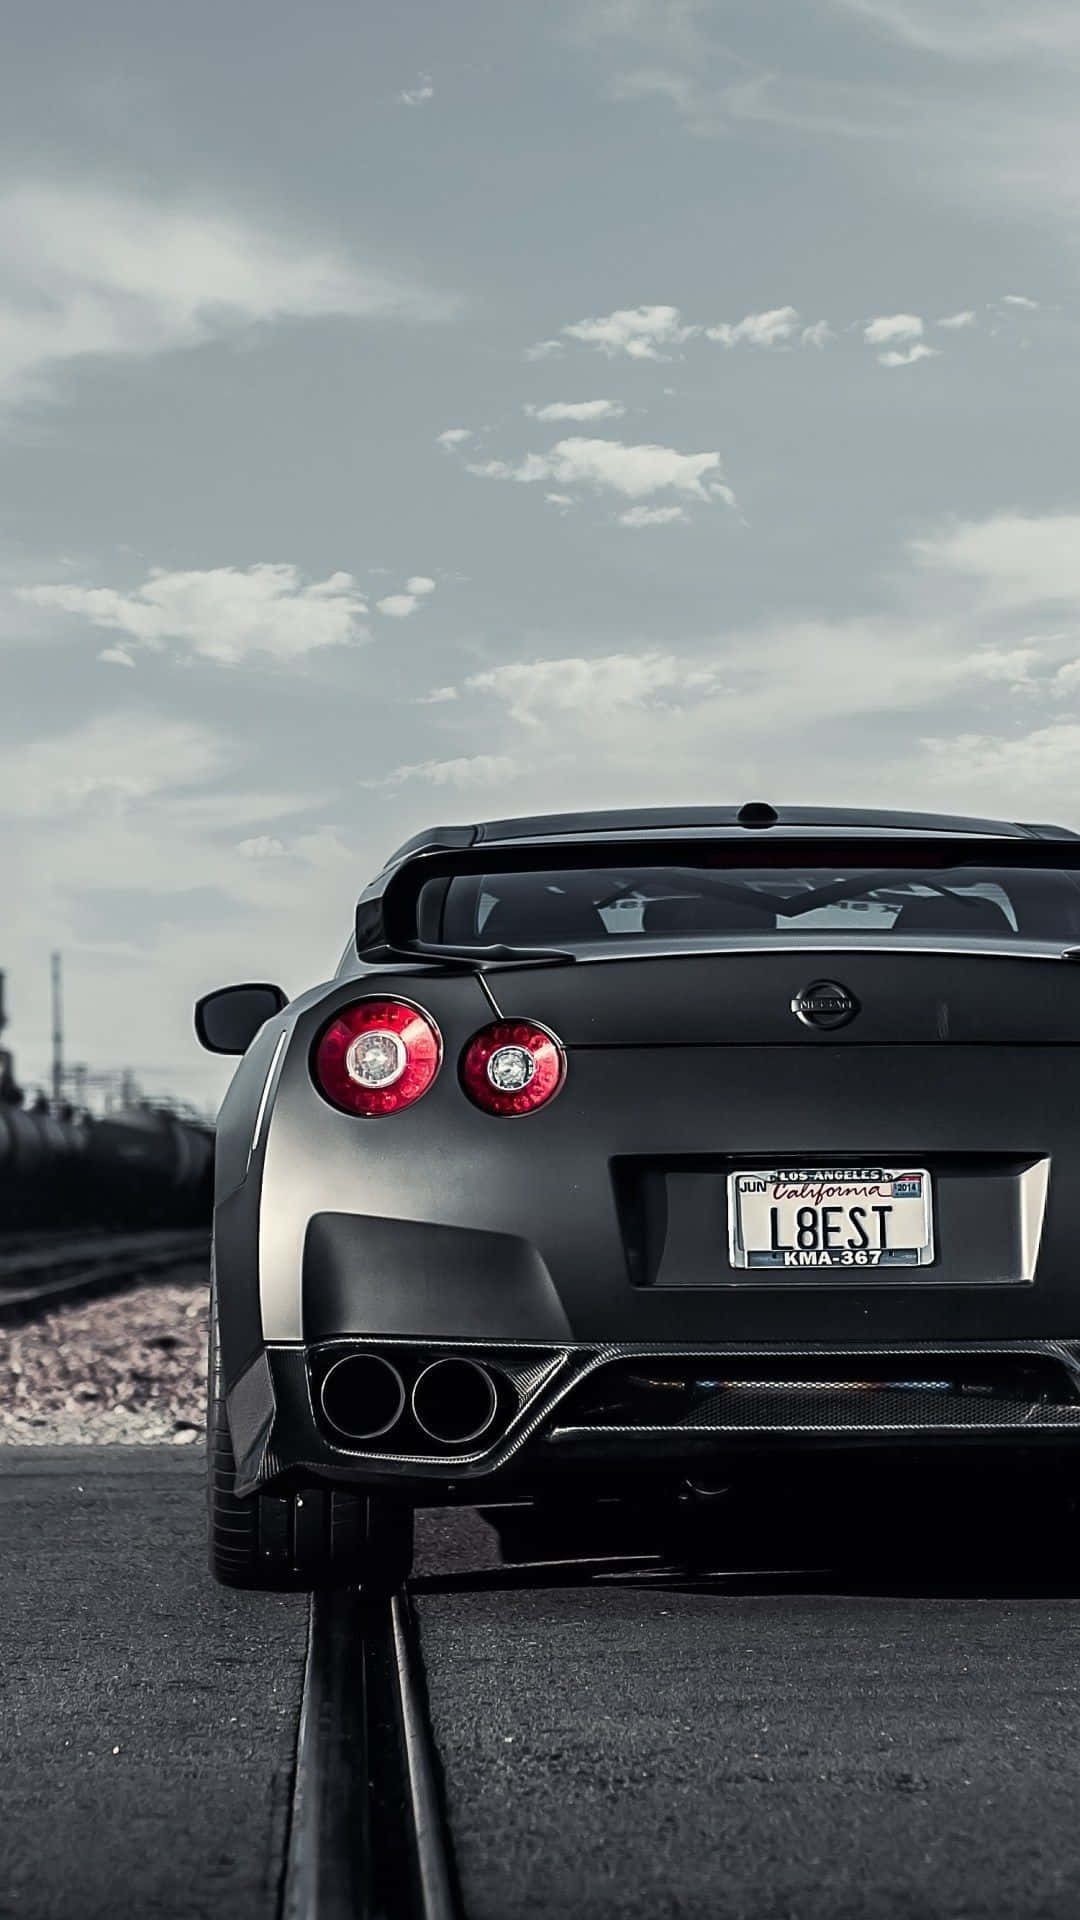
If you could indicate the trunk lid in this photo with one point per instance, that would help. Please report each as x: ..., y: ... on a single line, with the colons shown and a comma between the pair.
x: 919, y: 996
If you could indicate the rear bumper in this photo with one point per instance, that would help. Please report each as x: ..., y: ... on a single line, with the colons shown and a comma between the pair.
x: 627, y: 1407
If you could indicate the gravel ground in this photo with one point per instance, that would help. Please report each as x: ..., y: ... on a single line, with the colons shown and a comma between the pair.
x: 130, y: 1369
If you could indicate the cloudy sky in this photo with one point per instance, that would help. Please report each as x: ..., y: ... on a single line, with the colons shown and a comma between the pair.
x: 424, y: 413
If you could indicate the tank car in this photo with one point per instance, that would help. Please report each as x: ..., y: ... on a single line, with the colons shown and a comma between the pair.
x: 139, y: 1167
x: 149, y: 1168
x: 43, y: 1168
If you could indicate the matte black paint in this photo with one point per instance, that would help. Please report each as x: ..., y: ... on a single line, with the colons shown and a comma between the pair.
x: 737, y: 998
x: 601, y: 1219
x: 406, y: 1277
x: 670, y: 819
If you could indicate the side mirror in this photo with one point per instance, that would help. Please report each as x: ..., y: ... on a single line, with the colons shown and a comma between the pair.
x: 228, y: 1020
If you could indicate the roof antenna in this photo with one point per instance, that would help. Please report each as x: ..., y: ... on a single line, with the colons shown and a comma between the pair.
x: 757, y: 813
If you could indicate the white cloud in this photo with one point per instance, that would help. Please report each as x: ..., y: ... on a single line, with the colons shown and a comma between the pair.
x: 1014, y: 667
x: 400, y: 605
x: 225, y: 614
x: 112, y: 762
x: 1000, y: 138
x: 1032, y: 772
x: 892, y: 326
x: 975, y: 29
x: 609, y: 465
x: 1014, y: 560
x: 907, y: 356
x: 1067, y: 678
x: 651, y: 516
x: 262, y: 846
x: 576, y: 410
x: 563, y: 500
x: 643, y: 333
x: 668, y: 27
x: 772, y: 329
x: 116, y: 657
x: 416, y: 96
x: 473, y: 770
x: 1020, y: 300
x: 85, y: 271
x: 618, y: 712
x: 587, y: 687
x: 544, y: 350
x: 639, y: 471
x: 535, y: 466
x: 438, y: 697
x: 971, y: 648
x: 455, y: 436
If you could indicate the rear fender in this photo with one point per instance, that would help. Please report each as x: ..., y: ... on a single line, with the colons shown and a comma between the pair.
x: 268, y: 1155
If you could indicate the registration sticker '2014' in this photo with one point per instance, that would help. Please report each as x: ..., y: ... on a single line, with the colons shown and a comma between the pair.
x: 794, y: 1218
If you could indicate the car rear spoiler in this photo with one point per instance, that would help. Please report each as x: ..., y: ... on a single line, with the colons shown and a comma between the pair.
x: 386, y: 930
x: 386, y: 913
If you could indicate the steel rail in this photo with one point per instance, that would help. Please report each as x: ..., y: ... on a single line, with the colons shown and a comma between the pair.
x: 367, y: 1834
x: 38, y: 1274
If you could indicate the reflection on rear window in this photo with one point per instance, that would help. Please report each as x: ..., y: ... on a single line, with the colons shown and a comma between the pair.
x: 672, y: 905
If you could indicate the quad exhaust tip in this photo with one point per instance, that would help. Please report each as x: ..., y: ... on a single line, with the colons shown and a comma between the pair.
x: 363, y: 1396
x: 454, y: 1401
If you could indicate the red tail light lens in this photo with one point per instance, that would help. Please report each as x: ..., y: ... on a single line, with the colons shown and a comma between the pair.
x: 377, y: 1057
x: 512, y: 1067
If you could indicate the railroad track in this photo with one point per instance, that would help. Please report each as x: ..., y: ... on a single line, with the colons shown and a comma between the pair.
x: 41, y: 1270
x: 367, y: 1834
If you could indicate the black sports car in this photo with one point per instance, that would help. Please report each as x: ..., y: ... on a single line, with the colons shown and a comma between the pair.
x: 622, y: 1146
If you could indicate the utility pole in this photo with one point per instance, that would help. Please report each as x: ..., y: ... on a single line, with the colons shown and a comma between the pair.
x: 57, y: 1031
x: 8, y: 1090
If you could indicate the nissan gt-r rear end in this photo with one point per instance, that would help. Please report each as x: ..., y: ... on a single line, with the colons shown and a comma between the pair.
x: 631, y: 1148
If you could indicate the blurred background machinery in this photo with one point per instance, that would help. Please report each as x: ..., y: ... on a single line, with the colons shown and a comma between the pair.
x: 137, y: 1164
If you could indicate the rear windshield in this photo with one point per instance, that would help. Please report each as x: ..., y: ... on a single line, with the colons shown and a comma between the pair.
x: 672, y: 905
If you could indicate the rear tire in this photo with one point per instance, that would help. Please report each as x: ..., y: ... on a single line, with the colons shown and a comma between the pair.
x: 298, y: 1541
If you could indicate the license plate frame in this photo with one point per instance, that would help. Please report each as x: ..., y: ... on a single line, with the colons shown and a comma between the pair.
x: 817, y: 1186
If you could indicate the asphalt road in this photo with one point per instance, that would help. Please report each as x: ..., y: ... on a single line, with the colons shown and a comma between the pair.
x: 623, y: 1753
x: 697, y: 1749
x: 147, y: 1718
x: 893, y: 1737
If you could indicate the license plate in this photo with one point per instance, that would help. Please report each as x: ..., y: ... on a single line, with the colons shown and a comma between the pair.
x: 797, y: 1218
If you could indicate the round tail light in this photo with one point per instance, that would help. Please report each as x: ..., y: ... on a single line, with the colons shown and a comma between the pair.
x: 512, y: 1067
x: 377, y: 1056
